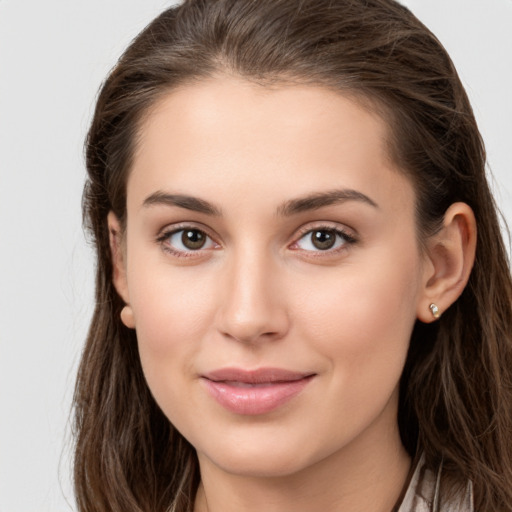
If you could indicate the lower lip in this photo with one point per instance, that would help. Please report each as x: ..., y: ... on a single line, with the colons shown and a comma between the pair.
x: 255, y: 399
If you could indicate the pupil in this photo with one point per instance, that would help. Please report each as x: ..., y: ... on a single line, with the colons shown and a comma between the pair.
x: 193, y: 239
x: 324, y: 239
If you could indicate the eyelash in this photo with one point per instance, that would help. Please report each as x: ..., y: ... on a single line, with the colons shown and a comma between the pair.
x: 164, y: 237
x: 348, y: 240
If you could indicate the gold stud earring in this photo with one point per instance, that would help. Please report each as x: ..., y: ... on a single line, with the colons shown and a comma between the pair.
x: 127, y: 317
x: 434, y: 310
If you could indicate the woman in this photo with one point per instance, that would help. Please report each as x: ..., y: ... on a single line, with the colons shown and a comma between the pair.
x: 303, y: 298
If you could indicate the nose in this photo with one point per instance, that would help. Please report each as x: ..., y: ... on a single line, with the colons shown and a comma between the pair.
x: 253, y: 306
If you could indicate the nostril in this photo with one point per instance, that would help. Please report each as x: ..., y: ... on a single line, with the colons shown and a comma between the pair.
x: 251, y: 308
x: 251, y: 335
x: 270, y: 327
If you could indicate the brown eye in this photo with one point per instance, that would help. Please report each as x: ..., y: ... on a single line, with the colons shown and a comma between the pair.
x: 186, y: 240
x: 323, y: 239
x: 193, y: 239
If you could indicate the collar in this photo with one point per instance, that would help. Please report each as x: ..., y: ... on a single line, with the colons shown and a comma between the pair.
x: 424, y: 493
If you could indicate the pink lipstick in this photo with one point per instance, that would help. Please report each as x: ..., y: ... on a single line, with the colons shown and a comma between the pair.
x: 254, y: 392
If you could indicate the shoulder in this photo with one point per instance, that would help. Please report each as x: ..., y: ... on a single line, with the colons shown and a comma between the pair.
x: 423, y: 494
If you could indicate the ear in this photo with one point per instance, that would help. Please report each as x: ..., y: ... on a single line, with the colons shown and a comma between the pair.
x: 119, y: 268
x: 450, y: 258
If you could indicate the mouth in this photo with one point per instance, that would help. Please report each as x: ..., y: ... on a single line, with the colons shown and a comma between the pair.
x: 254, y: 392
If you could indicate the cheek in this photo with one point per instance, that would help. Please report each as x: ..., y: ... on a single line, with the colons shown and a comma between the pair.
x: 169, y: 303
x: 173, y: 310
x: 362, y: 318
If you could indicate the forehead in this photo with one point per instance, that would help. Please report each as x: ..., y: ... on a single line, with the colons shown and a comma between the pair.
x: 239, y: 134
x: 205, y: 107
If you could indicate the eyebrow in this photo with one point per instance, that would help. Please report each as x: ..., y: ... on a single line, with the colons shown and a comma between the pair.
x: 313, y: 201
x: 182, y: 201
x: 319, y: 200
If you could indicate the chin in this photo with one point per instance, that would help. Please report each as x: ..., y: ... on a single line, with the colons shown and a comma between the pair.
x: 264, y: 458
x: 260, y: 465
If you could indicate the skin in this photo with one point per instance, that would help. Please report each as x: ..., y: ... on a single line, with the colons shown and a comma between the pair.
x: 260, y: 294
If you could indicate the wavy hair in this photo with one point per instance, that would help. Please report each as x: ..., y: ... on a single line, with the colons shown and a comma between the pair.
x: 456, y: 388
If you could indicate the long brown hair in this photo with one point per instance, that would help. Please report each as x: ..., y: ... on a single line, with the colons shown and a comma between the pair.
x: 456, y: 389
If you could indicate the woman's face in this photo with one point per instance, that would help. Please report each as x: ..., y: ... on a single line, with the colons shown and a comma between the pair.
x: 274, y: 274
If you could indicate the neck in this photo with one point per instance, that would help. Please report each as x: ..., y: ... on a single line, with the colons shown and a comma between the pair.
x: 367, y: 476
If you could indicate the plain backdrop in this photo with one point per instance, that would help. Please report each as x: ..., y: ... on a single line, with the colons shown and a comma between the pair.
x: 53, y: 56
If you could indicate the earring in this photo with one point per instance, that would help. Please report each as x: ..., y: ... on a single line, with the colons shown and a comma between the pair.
x: 127, y: 317
x: 435, y: 311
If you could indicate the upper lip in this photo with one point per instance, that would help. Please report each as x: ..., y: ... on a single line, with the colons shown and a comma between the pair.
x: 258, y: 376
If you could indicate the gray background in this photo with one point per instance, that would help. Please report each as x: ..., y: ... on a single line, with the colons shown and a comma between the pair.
x: 53, y: 57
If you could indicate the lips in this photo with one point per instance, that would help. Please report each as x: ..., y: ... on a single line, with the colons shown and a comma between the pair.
x: 254, y: 392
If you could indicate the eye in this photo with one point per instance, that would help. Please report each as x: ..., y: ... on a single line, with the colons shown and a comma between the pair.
x: 186, y: 240
x: 323, y: 239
